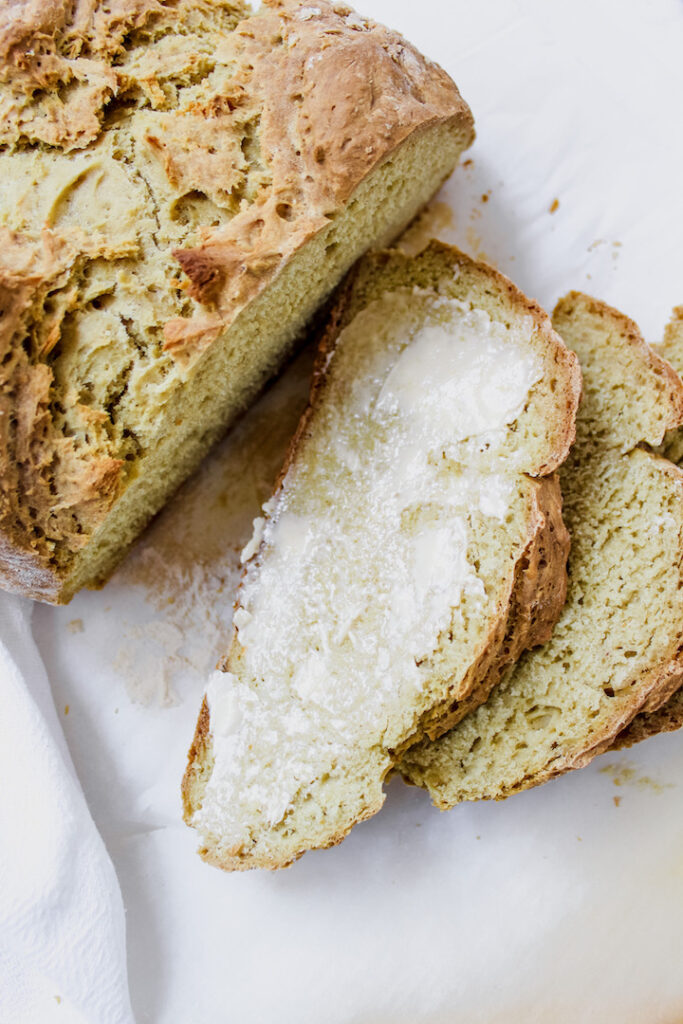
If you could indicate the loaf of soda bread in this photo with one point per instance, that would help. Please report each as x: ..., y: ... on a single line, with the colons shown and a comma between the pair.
x: 413, y: 548
x: 182, y: 184
x: 617, y: 648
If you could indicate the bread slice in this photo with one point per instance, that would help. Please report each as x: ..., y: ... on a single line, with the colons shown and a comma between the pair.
x: 669, y: 717
x: 617, y: 648
x: 413, y: 547
x: 182, y: 185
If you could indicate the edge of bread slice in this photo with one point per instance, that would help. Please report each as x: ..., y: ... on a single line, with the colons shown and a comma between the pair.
x: 617, y: 648
x: 413, y: 546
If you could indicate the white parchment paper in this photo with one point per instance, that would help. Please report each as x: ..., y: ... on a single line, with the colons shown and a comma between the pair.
x: 564, y: 904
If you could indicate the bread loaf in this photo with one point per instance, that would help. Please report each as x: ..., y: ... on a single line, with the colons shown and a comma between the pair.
x: 182, y: 184
x: 617, y: 647
x: 413, y: 547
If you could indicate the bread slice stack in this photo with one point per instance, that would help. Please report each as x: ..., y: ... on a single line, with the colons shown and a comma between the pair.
x: 413, y: 548
x: 183, y: 186
x: 617, y: 649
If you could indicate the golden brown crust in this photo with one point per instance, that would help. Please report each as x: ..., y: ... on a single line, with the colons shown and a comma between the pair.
x: 321, y: 135
x: 191, y: 786
x: 329, y: 97
x: 528, y: 610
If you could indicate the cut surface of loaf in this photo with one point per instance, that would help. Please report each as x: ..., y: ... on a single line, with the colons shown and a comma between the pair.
x: 413, y: 547
x: 182, y: 185
x: 617, y: 647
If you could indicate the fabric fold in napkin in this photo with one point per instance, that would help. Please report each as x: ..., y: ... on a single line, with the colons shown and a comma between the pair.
x: 62, y: 927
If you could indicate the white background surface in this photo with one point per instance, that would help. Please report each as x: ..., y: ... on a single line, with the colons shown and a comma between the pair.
x: 557, y: 905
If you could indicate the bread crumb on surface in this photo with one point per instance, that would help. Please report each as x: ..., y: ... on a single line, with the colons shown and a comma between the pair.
x: 474, y: 246
x: 66, y: 709
x: 555, y: 205
x: 624, y: 773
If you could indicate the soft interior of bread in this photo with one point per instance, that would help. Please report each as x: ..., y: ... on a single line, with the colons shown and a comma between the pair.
x: 385, y: 563
x: 623, y: 622
x: 178, y: 429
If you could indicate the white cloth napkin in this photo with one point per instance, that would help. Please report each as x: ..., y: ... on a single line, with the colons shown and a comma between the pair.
x: 62, y: 928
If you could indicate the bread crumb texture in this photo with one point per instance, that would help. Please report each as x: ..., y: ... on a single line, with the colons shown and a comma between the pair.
x: 407, y: 540
x: 163, y: 165
x: 616, y: 649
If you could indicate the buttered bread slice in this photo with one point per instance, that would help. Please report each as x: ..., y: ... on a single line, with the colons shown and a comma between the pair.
x: 414, y: 546
x: 617, y: 647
